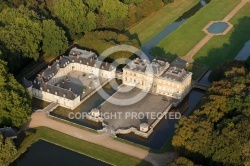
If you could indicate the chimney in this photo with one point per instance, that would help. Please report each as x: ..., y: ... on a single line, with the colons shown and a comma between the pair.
x: 49, y: 67
x: 70, y: 89
x: 78, y: 56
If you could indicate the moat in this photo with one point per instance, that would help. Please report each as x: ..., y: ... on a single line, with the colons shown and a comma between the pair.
x: 162, y: 132
x: 44, y: 153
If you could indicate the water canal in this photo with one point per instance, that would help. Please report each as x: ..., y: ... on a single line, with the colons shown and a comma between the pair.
x: 172, y: 27
x: 43, y: 153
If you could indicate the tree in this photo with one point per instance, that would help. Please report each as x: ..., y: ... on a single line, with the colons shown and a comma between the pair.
x: 113, y: 10
x: 93, y: 5
x: 54, y: 39
x: 7, y: 150
x: 15, y: 101
x: 21, y: 32
x: 74, y: 15
x: 219, y: 130
x: 102, y: 40
x: 181, y: 161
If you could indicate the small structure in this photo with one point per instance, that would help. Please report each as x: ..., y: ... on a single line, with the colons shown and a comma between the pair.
x: 95, y: 112
x: 144, y: 127
x: 8, y: 132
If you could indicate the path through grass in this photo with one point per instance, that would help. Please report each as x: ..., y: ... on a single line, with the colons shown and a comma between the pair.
x: 182, y: 40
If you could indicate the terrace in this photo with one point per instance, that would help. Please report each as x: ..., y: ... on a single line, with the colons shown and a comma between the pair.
x: 150, y: 103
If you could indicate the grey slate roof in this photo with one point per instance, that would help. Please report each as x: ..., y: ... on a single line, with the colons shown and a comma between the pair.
x: 75, y: 56
x: 158, y: 68
x: 27, y: 83
x: 8, y: 132
x: 82, y: 53
x: 51, y: 71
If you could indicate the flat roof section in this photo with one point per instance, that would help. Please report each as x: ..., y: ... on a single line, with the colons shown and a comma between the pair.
x: 150, y: 103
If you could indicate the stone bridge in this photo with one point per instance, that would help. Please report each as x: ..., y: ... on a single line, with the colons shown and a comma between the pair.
x: 50, y: 107
x: 200, y: 86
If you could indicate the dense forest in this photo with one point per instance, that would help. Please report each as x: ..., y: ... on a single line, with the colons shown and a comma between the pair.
x: 15, y: 102
x: 218, y: 132
x: 30, y: 29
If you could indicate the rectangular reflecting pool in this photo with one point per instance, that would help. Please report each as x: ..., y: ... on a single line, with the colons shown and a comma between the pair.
x: 43, y: 153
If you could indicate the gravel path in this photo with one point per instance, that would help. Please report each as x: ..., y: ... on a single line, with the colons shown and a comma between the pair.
x: 189, y: 56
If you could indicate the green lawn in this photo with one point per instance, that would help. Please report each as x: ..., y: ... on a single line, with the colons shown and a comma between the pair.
x: 223, y: 48
x: 156, y: 22
x: 182, y: 40
x: 84, y: 147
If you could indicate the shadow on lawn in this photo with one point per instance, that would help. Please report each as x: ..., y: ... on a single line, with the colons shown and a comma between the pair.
x: 160, y: 53
x: 227, y: 52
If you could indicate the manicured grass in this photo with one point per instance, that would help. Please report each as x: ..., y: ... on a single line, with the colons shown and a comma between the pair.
x: 156, y: 22
x: 182, y: 40
x: 224, y: 48
x: 81, y: 146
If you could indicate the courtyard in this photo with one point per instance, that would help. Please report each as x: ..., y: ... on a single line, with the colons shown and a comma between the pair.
x: 81, y: 83
x: 123, y: 116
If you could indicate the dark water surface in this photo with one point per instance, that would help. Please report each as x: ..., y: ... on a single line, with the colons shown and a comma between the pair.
x: 43, y: 153
x: 218, y: 27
